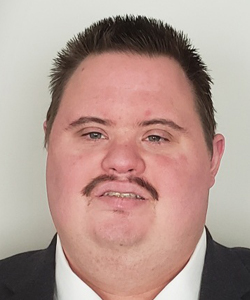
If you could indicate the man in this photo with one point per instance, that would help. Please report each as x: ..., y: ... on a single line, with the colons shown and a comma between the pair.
x: 132, y: 154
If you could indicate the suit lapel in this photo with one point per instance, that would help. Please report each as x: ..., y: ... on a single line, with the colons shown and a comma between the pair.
x: 37, y: 278
x: 225, y: 277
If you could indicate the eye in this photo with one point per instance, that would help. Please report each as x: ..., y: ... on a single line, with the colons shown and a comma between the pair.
x: 156, y: 139
x: 93, y: 135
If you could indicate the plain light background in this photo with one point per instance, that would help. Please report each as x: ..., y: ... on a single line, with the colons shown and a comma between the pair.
x: 31, y: 33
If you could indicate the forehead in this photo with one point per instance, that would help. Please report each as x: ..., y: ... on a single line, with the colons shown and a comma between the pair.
x: 143, y: 68
x: 125, y: 74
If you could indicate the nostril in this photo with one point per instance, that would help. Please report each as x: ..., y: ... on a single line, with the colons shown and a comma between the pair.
x: 129, y: 170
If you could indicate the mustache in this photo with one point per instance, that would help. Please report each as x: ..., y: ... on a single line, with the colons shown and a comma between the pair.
x: 137, y: 180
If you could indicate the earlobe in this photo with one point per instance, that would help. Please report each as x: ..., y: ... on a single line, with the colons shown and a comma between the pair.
x: 218, y: 150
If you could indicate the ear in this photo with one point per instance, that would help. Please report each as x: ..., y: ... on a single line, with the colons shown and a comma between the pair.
x: 218, y: 150
x: 45, y: 126
x: 45, y: 130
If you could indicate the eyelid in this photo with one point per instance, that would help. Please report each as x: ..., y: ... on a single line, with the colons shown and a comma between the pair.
x: 89, y: 129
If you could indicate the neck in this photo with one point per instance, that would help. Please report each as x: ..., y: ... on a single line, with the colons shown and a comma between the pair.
x: 125, y: 275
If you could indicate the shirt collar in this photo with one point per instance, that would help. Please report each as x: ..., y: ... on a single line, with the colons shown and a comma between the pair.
x: 68, y: 284
x: 186, y: 285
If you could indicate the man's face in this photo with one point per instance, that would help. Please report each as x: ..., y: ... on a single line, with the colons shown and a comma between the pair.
x: 129, y: 123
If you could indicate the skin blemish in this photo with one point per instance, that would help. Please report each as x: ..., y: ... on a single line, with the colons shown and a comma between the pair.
x: 147, y: 113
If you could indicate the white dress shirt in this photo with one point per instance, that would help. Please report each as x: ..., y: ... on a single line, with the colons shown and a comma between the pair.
x: 186, y: 285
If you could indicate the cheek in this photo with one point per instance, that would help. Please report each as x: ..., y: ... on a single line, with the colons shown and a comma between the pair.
x: 71, y: 170
x: 63, y: 173
x: 66, y: 178
x: 182, y: 204
x: 181, y: 173
x: 183, y: 185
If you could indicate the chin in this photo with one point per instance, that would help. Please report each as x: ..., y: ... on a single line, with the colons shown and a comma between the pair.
x: 120, y: 230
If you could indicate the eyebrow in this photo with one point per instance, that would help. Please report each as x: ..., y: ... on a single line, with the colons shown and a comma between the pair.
x: 85, y: 120
x: 167, y: 122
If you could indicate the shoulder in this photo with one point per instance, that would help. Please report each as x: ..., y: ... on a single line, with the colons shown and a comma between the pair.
x: 29, y: 275
x: 28, y: 263
x: 223, y: 253
x: 226, y: 272
x: 243, y: 255
x: 22, y: 260
x: 228, y: 262
x: 239, y: 253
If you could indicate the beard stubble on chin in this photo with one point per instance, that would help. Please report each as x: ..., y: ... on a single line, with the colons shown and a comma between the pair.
x: 86, y: 191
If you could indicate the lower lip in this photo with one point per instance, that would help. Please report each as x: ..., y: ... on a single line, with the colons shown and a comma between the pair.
x: 116, y: 203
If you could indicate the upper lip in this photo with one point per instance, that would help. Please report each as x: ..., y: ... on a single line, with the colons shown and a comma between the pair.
x: 120, y: 187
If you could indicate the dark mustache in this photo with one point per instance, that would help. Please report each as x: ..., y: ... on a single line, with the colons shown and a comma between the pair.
x: 137, y: 180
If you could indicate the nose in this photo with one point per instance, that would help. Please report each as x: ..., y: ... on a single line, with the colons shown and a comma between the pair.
x: 123, y: 159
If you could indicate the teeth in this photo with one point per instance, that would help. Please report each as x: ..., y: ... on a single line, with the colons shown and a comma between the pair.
x: 122, y: 195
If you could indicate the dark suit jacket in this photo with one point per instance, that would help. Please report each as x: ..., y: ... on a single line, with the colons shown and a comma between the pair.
x: 31, y: 275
